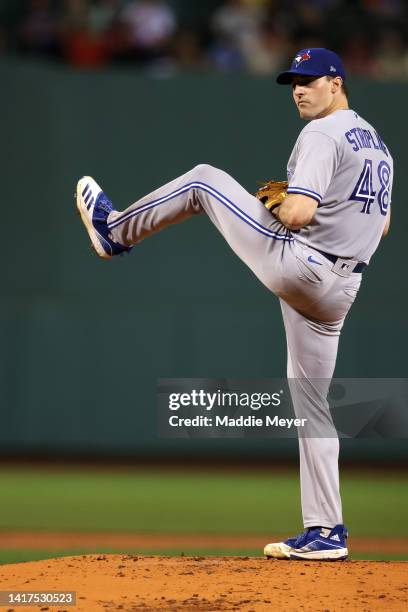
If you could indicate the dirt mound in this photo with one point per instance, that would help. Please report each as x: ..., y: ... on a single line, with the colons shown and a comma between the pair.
x: 128, y: 582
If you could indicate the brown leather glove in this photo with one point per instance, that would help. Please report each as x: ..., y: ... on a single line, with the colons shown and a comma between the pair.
x: 272, y: 193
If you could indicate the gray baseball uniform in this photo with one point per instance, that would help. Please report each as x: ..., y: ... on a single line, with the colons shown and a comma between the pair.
x: 341, y: 162
x: 323, y: 164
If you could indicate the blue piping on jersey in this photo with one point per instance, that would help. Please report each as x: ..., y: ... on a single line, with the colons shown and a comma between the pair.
x: 218, y: 196
x: 307, y: 192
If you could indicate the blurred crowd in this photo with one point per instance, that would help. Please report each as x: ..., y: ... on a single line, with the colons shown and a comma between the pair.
x: 166, y: 37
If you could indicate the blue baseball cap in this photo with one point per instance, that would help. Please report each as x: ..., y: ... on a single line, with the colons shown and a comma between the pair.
x: 316, y: 62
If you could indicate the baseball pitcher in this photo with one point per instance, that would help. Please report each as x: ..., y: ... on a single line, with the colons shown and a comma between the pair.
x: 309, y: 245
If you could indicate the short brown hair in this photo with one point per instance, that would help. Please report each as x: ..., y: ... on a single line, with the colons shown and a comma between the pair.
x: 345, y: 90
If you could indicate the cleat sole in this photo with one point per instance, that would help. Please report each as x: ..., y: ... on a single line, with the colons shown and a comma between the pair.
x: 88, y: 225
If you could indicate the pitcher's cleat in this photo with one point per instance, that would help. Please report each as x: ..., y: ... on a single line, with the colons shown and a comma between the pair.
x: 94, y: 208
x: 314, y: 544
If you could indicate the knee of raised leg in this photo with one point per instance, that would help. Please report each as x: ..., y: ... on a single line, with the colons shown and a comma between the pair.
x: 204, y: 171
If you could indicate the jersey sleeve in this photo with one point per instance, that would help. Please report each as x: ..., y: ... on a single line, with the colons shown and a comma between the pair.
x: 317, y: 159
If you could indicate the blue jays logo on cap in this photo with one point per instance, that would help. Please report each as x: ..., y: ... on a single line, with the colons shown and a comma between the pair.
x: 302, y: 57
x: 316, y: 62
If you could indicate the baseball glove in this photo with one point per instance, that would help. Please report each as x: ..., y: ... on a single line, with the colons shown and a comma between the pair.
x: 272, y: 193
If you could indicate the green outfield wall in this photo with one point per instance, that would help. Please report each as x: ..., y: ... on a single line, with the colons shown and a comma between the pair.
x: 83, y: 341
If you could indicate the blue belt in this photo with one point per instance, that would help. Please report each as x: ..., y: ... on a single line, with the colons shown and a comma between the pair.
x: 357, y: 268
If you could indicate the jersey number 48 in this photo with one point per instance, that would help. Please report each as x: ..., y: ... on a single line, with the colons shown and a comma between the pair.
x: 364, y: 191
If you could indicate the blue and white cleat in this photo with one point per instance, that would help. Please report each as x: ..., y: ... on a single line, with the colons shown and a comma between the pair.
x: 314, y: 544
x: 94, y: 207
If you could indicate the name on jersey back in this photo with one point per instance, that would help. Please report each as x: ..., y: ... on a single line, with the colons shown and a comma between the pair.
x: 364, y: 139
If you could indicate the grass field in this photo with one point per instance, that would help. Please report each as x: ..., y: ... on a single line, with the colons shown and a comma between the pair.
x: 172, y: 502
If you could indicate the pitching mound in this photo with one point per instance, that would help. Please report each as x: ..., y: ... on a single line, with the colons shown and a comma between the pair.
x: 128, y: 582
